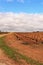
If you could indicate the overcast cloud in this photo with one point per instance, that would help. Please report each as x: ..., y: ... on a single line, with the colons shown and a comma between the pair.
x: 21, y: 22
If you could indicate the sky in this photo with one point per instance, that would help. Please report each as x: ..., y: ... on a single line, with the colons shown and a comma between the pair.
x: 21, y: 15
x: 27, y: 6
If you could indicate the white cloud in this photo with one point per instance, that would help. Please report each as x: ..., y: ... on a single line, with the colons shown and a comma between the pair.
x: 21, y: 22
x: 22, y: 1
x: 9, y: 0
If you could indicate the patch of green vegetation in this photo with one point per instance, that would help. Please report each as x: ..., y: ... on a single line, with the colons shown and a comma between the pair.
x: 15, y: 55
x: 27, y: 59
x: 7, y: 50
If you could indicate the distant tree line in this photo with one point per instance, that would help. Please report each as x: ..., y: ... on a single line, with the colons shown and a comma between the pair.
x: 3, y: 32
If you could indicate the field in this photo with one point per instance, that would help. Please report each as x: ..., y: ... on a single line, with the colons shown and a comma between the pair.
x: 21, y: 48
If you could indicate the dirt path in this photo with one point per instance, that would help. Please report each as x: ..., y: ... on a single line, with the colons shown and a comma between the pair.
x: 1, y: 35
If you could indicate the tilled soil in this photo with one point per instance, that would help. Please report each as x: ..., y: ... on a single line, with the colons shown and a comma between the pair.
x: 34, y: 53
x: 28, y: 50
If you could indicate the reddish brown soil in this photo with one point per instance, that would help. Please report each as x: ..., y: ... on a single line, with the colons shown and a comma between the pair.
x: 34, y: 36
x: 5, y: 59
x: 15, y: 40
